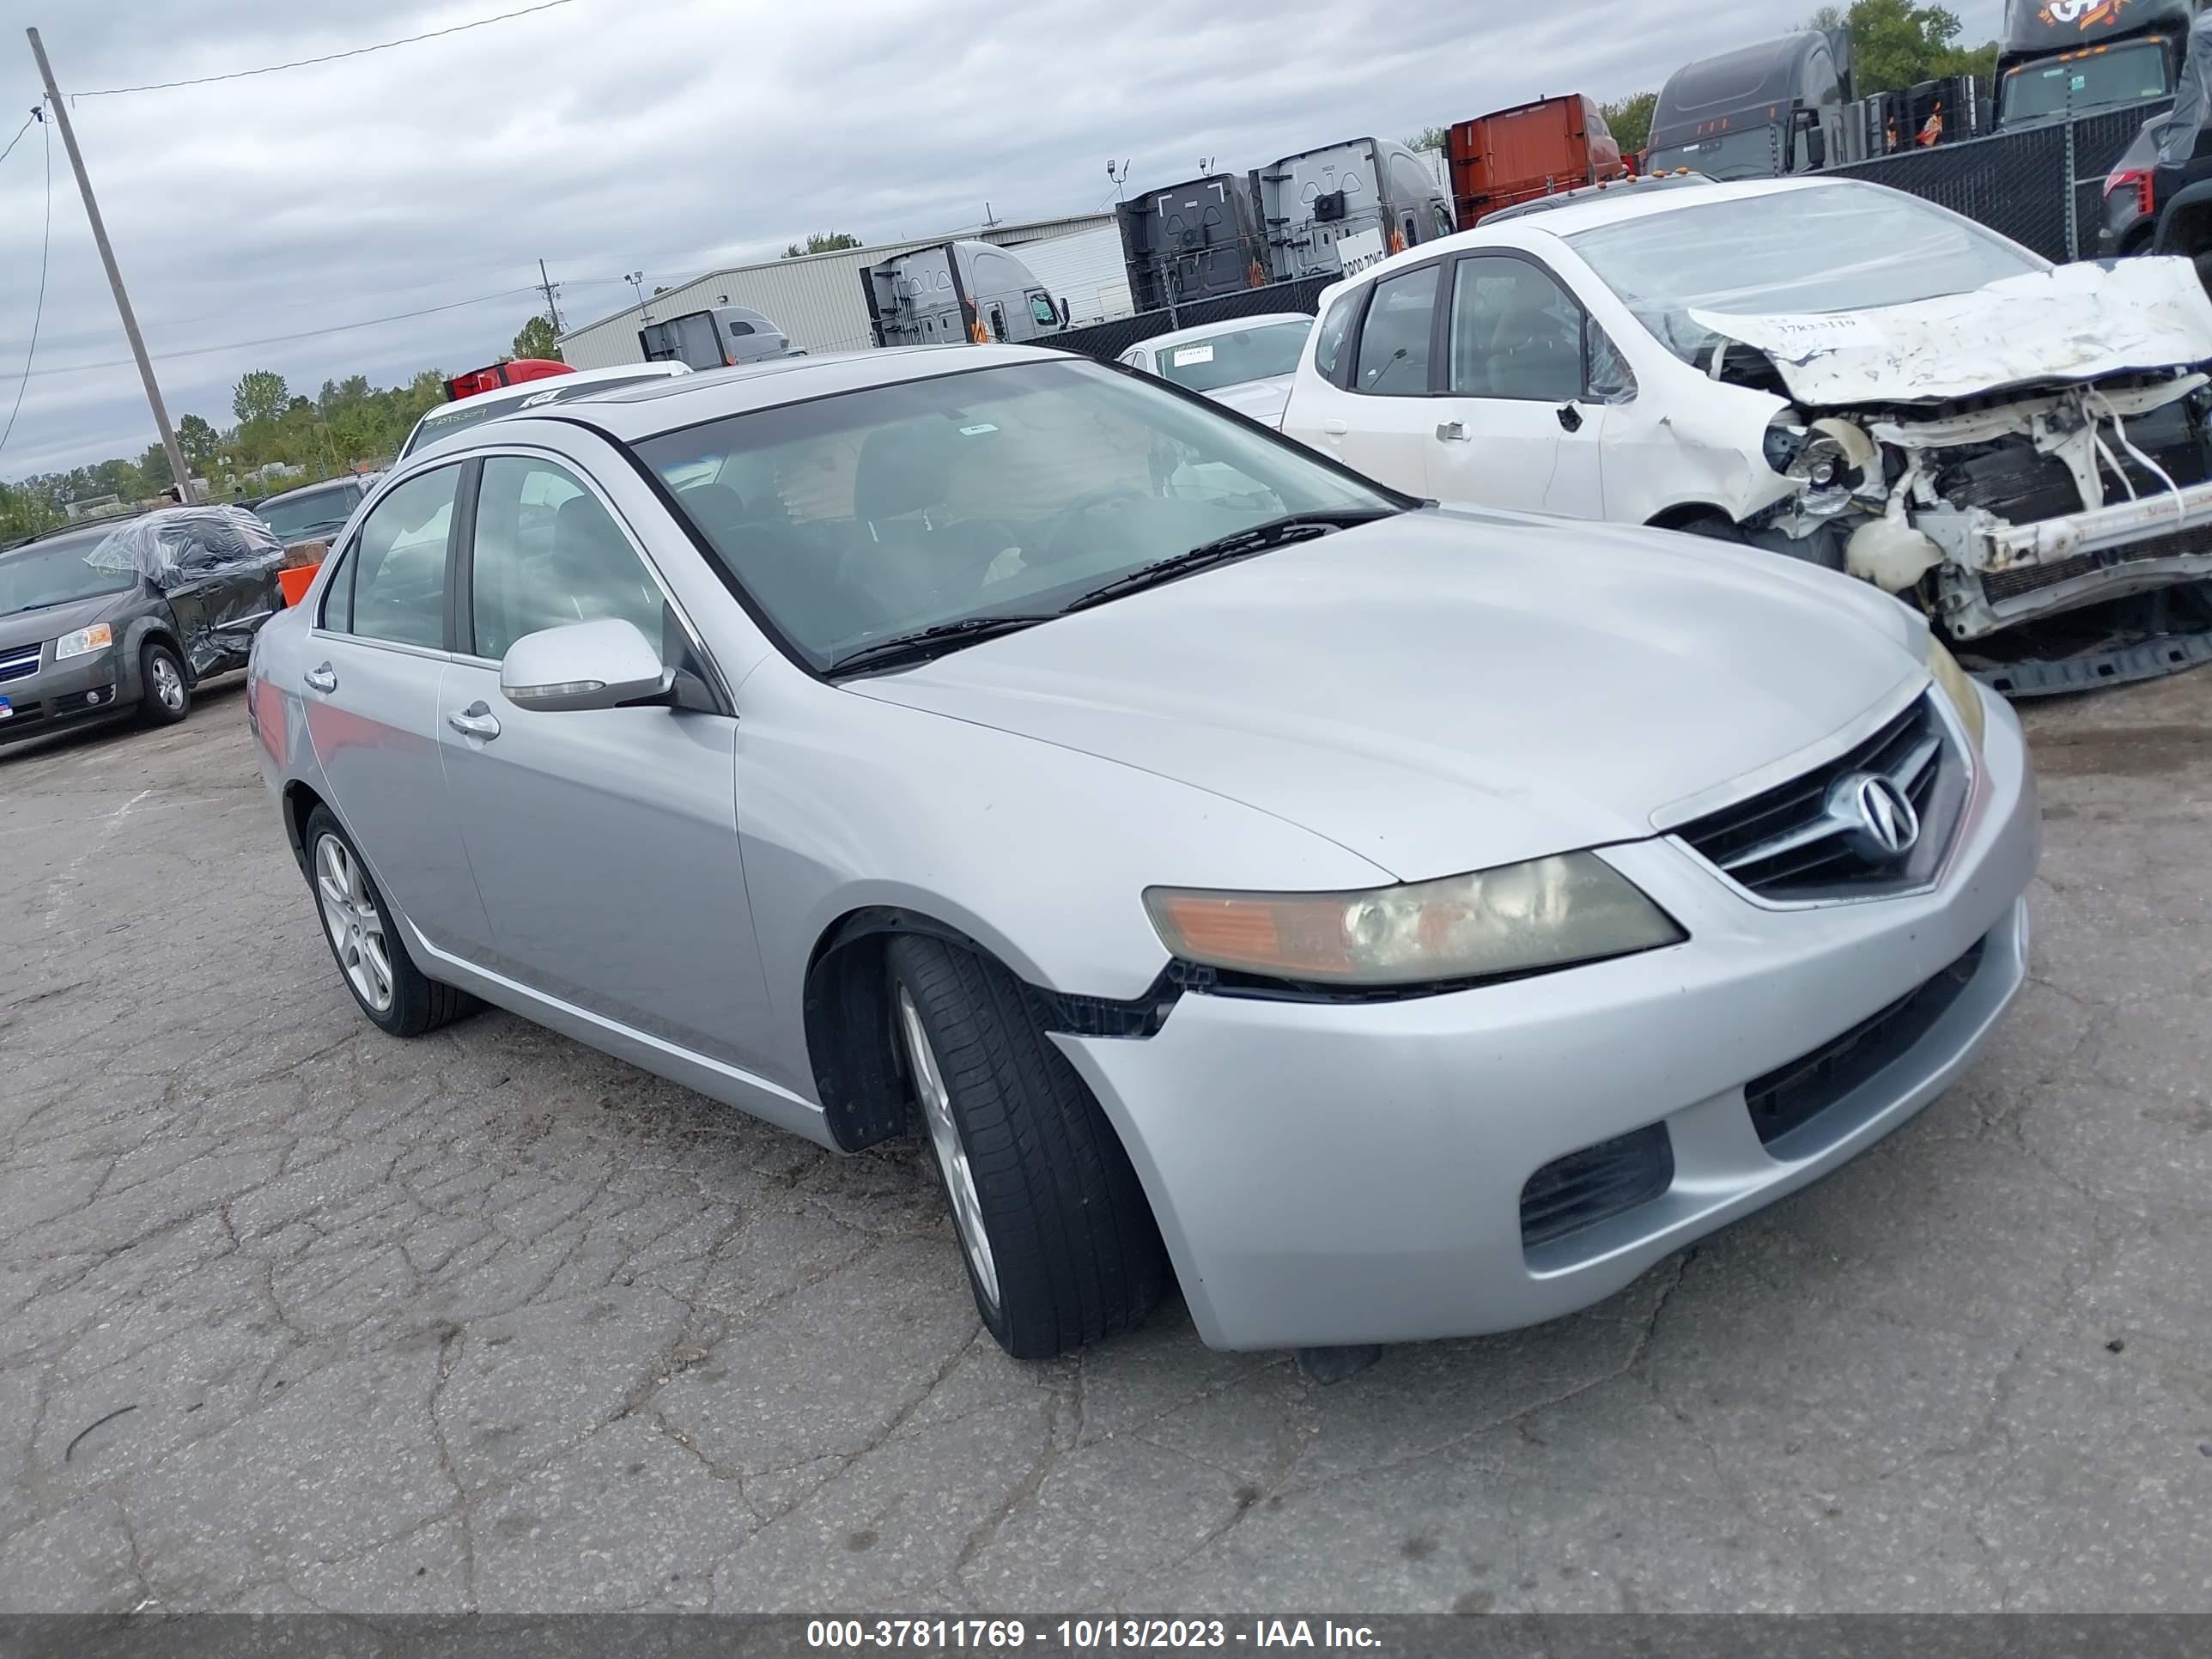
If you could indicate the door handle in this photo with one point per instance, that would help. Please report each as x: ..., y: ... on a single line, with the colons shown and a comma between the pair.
x: 1336, y: 428
x: 321, y: 679
x: 1452, y: 431
x: 476, y: 720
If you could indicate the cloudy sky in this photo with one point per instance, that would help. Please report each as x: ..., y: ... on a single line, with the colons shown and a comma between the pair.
x: 604, y: 135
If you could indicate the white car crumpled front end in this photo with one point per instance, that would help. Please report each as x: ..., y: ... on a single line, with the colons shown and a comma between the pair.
x: 2038, y: 444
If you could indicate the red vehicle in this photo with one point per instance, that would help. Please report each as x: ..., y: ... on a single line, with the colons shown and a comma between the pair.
x: 1515, y: 155
x: 513, y: 372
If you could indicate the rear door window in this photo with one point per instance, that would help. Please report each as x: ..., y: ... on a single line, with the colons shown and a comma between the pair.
x: 399, y: 563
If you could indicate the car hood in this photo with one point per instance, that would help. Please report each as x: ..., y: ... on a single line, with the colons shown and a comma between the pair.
x: 36, y: 626
x: 1449, y: 691
x: 2072, y: 323
x: 1262, y: 400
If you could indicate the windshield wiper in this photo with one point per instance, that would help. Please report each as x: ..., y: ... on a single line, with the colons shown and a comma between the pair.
x: 1275, y: 533
x: 926, y: 643
x: 47, y: 604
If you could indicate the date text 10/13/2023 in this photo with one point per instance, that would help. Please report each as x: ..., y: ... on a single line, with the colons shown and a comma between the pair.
x: 1084, y: 1635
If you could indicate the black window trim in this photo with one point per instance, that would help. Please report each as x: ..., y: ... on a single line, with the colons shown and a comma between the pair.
x: 1441, y: 350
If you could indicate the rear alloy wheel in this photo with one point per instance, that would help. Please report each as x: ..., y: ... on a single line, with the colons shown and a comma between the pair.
x: 372, y: 958
x: 1059, y: 1240
x: 168, y: 696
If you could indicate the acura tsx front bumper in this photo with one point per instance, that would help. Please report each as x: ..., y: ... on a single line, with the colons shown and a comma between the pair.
x: 1340, y: 1173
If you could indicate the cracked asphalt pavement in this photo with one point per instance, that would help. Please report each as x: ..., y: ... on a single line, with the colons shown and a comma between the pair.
x: 295, y: 1317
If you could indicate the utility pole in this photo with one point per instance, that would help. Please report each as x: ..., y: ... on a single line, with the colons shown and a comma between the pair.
x: 60, y: 113
x: 545, y: 282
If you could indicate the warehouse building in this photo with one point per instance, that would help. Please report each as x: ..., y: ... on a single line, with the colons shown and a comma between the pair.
x: 816, y: 298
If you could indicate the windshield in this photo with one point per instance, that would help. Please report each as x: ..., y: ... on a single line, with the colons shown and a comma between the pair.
x: 2131, y: 74
x: 1010, y: 491
x: 55, y: 573
x: 1751, y: 154
x: 1826, y: 248
x: 474, y: 412
x: 296, y: 516
x: 1236, y: 356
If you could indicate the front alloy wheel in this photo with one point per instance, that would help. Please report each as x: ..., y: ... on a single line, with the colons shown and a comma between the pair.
x: 1060, y: 1243
x: 951, y: 1157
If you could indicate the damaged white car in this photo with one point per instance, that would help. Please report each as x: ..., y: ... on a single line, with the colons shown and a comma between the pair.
x: 1827, y: 369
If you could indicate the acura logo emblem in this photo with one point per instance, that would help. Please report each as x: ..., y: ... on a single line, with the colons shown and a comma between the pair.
x: 1875, y: 812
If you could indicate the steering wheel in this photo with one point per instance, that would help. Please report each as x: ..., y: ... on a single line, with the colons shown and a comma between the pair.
x: 1057, y: 545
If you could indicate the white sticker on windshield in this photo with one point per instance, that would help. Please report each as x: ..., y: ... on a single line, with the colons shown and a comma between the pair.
x: 1186, y: 355
x: 977, y: 431
x: 1791, y: 335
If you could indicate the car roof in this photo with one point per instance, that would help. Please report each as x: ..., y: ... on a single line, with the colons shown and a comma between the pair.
x: 645, y: 411
x: 1213, y: 331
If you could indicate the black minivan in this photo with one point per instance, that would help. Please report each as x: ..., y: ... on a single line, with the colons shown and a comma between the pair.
x: 127, y: 616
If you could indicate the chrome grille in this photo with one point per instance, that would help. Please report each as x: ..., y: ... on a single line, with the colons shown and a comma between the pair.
x: 1800, y: 841
x: 19, y: 664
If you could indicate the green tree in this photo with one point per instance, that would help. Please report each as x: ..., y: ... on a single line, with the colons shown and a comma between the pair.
x: 199, y: 443
x: 1429, y: 138
x: 821, y: 241
x: 260, y: 396
x: 536, y: 339
x: 1629, y: 119
x: 153, y: 466
x: 1897, y: 44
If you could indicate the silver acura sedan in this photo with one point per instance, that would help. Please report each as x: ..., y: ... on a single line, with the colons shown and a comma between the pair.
x: 1388, y: 921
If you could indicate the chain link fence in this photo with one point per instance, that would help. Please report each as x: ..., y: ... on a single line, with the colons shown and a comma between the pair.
x: 2043, y: 185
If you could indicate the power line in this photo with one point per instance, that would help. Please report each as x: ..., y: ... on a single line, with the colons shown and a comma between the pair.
x: 284, y: 339
x: 327, y: 58
x: 44, y: 246
x: 20, y: 131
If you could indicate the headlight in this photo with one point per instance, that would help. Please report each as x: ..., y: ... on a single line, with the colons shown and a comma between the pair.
x: 1958, y: 686
x: 84, y: 641
x: 1522, y: 918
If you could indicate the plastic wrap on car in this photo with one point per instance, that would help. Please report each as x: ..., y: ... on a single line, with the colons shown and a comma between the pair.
x: 216, y: 565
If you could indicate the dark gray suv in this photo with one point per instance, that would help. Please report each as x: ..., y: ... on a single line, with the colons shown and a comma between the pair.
x: 116, y: 618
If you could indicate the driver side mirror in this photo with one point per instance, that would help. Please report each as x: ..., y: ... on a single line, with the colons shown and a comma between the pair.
x: 592, y: 664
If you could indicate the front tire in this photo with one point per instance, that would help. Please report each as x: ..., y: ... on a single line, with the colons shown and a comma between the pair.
x: 166, y: 695
x: 372, y: 958
x: 1060, y: 1243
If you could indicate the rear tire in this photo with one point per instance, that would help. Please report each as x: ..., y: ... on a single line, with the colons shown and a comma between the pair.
x: 1060, y: 1243
x: 399, y: 999
x: 165, y: 693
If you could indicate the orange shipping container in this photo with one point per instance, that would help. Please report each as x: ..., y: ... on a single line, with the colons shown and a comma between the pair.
x: 1514, y: 155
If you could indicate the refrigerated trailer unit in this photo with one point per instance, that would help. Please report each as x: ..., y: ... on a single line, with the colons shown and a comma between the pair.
x: 1341, y: 209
